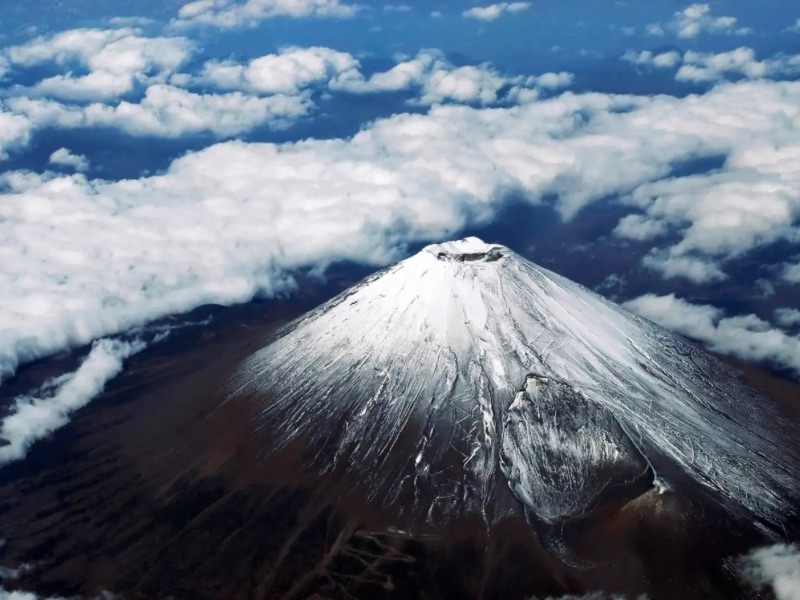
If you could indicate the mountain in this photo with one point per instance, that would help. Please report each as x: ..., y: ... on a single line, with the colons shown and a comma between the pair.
x: 464, y: 371
x: 461, y: 425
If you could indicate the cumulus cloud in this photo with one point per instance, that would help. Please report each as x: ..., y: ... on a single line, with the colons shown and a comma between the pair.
x: 15, y: 132
x: 639, y: 228
x: 64, y: 158
x: 479, y: 84
x: 701, y: 67
x: 776, y: 567
x: 169, y: 111
x: 694, y: 269
x: 32, y: 419
x: 663, y: 60
x: 287, y: 72
x: 228, y: 14
x: 495, y: 11
x: 697, y: 18
x: 294, y: 69
x: 787, y: 317
x: 116, y: 60
x: 554, y: 81
x: 271, y: 90
x: 440, y: 81
x: 752, y: 201
x: 746, y: 337
x: 791, y: 273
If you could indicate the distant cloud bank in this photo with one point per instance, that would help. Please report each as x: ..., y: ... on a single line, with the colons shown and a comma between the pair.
x: 230, y: 14
x: 746, y: 337
x: 495, y: 11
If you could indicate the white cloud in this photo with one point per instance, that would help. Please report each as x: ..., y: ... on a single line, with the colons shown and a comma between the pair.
x: 684, y: 267
x: 116, y: 60
x: 463, y: 84
x: 787, y: 317
x: 495, y: 11
x: 87, y: 258
x: 554, y: 81
x: 32, y: 419
x: 663, y: 60
x: 294, y: 69
x: 229, y: 14
x: 697, y: 18
x: 396, y: 8
x: 5, y: 67
x: 796, y: 26
x: 655, y: 30
x: 287, y: 72
x: 440, y: 81
x: 15, y: 132
x: 746, y: 337
x: 169, y: 111
x: 776, y: 567
x: 639, y: 228
x: 64, y: 158
x: 752, y: 201
x: 701, y: 67
x: 791, y: 273
x: 704, y: 67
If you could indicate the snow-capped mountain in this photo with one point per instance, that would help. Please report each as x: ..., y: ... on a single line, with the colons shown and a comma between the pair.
x: 466, y: 373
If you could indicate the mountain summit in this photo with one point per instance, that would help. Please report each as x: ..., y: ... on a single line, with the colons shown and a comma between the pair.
x: 466, y: 372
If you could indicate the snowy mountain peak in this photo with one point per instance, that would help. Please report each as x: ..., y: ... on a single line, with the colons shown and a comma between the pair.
x: 413, y: 382
x: 470, y: 249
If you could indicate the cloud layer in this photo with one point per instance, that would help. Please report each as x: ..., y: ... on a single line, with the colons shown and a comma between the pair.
x: 746, y: 337
x: 113, y: 62
x: 696, y: 19
x: 776, y: 567
x: 133, y: 85
x: 32, y: 419
x: 709, y: 67
x: 230, y: 14
x: 87, y: 258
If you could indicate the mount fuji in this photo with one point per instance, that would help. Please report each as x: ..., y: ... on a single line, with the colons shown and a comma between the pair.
x: 464, y: 424
x: 465, y: 372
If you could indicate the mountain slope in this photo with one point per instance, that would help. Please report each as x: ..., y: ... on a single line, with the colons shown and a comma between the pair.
x: 464, y: 371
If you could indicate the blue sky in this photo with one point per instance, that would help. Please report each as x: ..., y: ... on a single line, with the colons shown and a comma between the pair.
x: 159, y: 156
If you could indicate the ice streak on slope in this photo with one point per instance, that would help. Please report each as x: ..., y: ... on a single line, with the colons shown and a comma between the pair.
x: 435, y: 348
